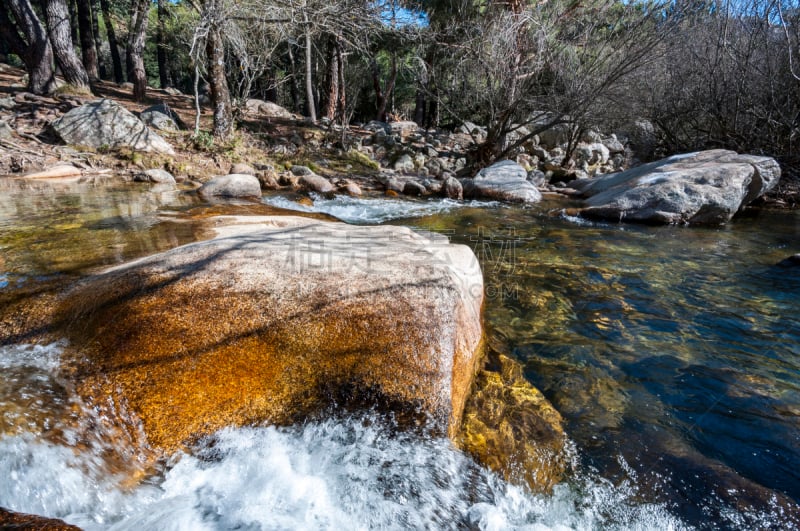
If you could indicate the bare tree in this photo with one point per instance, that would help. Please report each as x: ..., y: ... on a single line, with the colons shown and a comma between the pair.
x: 522, y: 70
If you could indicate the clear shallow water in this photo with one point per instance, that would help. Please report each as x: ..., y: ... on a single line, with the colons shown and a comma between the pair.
x: 673, y: 353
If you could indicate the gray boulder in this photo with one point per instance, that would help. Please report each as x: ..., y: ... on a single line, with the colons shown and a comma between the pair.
x: 301, y: 170
x: 233, y: 185
x: 452, y: 189
x: 266, y: 108
x: 155, y: 176
x: 414, y: 188
x: 107, y: 124
x: 707, y: 187
x: 161, y: 117
x: 504, y: 181
x: 241, y: 167
x: 316, y: 183
x: 404, y: 164
x: 403, y: 128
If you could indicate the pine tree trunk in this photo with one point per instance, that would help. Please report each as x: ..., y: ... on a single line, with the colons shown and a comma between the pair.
x: 332, y: 80
x: 119, y: 72
x: 220, y: 95
x: 312, y: 111
x: 72, y: 6
x: 135, y: 51
x: 33, y: 47
x: 164, y: 75
x: 88, y: 51
x: 382, y: 96
x: 293, y: 88
x: 341, y: 104
x: 58, y: 26
x: 98, y: 43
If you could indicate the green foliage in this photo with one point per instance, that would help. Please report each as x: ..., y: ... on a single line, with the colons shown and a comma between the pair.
x: 203, y: 141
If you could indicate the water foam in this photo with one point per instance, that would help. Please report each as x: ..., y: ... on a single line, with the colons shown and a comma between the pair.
x: 364, y: 210
x: 354, y: 472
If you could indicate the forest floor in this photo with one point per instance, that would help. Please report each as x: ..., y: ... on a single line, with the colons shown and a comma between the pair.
x: 31, y: 146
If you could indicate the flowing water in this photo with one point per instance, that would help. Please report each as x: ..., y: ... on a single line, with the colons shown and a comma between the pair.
x: 672, y: 352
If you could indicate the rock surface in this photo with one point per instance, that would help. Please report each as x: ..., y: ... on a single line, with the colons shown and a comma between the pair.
x: 316, y: 183
x: 155, y: 176
x: 55, y: 172
x: 273, y: 318
x: 161, y: 117
x: 11, y: 520
x: 504, y: 181
x: 267, y: 108
x: 107, y: 124
x: 707, y: 187
x: 233, y: 185
x: 511, y: 427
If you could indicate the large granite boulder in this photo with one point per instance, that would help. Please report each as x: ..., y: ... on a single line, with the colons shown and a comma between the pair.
x: 274, y: 319
x: 504, y: 181
x: 11, y: 520
x: 107, y: 124
x: 233, y: 185
x: 707, y: 187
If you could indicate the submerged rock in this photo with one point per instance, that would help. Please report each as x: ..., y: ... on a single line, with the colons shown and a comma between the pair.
x: 792, y: 261
x: 511, y: 427
x: 233, y: 185
x: 504, y: 181
x: 107, y: 124
x: 707, y: 187
x: 272, y: 320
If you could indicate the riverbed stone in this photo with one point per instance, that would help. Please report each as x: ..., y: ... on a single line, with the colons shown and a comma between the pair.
x: 414, y: 188
x: 155, y: 176
x: 504, y: 181
x: 706, y: 187
x: 316, y: 183
x: 242, y: 168
x: 233, y: 185
x: 273, y: 319
x: 107, y: 124
x: 452, y: 189
x: 512, y: 428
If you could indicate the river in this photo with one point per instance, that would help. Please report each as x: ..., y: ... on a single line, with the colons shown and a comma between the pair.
x: 673, y: 354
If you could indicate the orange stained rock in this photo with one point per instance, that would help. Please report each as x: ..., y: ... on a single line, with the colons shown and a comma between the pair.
x: 256, y: 325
